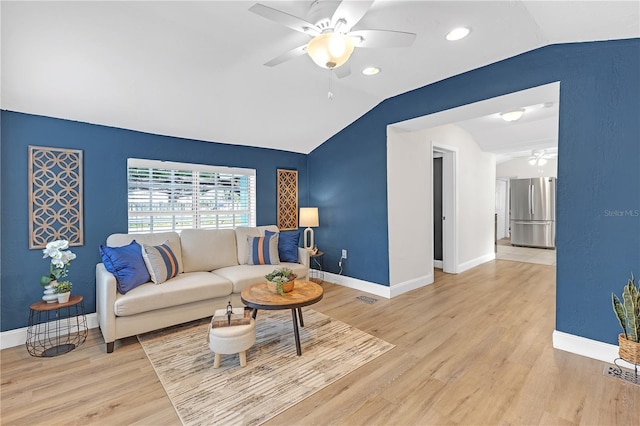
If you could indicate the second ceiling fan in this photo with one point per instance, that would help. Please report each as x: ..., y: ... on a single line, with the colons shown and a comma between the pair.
x: 330, y: 26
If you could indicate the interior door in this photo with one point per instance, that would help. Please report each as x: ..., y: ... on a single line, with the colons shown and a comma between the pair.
x: 437, y: 208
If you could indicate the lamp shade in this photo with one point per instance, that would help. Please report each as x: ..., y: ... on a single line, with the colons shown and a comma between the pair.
x: 309, y: 216
x: 330, y: 50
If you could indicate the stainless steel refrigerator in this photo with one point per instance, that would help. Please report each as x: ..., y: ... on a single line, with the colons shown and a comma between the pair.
x: 533, y: 212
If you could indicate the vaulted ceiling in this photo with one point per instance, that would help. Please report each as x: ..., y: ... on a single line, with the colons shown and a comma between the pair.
x: 195, y: 69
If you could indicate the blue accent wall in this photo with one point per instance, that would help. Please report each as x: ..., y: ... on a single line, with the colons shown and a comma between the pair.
x: 598, y: 221
x: 105, y: 151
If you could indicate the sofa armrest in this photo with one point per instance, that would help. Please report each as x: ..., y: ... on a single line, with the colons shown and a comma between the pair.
x: 106, y: 290
x: 304, y: 259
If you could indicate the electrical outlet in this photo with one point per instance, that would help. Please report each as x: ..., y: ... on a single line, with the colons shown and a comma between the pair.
x: 344, y: 253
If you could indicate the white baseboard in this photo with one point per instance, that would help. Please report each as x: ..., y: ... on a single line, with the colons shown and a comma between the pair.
x: 378, y: 289
x: 398, y: 289
x: 586, y: 347
x: 356, y: 284
x: 18, y: 337
x: 475, y: 262
x: 437, y: 264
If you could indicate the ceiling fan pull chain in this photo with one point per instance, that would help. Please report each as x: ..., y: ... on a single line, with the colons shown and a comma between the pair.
x: 330, y: 94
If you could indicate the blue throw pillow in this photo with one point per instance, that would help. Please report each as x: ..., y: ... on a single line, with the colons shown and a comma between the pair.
x: 126, y: 264
x: 288, y: 246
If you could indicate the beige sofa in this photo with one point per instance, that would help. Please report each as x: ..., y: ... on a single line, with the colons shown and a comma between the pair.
x: 213, y: 271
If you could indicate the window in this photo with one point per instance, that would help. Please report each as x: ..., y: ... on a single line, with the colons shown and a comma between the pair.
x: 166, y: 196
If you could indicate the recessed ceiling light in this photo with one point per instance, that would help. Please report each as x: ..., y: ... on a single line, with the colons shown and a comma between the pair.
x: 371, y: 71
x: 458, y: 33
x: 514, y: 115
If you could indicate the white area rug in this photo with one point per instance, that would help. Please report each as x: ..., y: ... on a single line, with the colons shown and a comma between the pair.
x: 274, y: 379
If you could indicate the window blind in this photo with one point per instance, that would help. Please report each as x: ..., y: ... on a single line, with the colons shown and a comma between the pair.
x: 167, y: 196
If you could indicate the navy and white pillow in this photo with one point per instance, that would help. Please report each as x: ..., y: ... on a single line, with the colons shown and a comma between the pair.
x: 263, y: 250
x: 161, y: 262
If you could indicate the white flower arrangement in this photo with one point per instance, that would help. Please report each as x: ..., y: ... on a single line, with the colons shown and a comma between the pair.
x: 60, y: 258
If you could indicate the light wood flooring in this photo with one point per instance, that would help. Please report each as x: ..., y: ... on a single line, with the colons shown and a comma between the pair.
x: 506, y: 251
x: 471, y: 349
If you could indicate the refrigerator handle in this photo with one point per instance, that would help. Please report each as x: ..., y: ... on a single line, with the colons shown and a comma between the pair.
x: 531, y: 199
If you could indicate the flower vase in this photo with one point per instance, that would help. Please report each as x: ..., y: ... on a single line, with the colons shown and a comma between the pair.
x: 49, y: 292
x: 286, y: 287
x: 63, y: 297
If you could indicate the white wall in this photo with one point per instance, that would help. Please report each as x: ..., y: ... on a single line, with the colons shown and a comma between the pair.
x: 520, y: 168
x: 409, y: 208
x: 410, y: 224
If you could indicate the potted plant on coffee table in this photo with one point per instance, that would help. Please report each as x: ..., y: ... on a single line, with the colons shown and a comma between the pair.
x: 63, y: 291
x: 628, y: 313
x: 281, y: 280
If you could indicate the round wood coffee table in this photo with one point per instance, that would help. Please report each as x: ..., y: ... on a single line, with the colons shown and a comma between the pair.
x: 304, y: 293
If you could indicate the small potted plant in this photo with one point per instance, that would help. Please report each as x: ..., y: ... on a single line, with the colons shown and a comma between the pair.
x: 628, y: 313
x: 281, y: 280
x: 63, y: 290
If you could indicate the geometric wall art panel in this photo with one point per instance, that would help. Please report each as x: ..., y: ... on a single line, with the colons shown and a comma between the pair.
x: 55, y: 196
x: 287, y: 199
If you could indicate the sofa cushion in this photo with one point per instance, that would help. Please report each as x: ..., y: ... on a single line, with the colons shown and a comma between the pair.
x: 161, y: 262
x: 185, y: 288
x: 117, y: 240
x: 208, y: 249
x: 263, y: 250
x: 245, y: 275
x: 126, y: 264
x: 242, y: 232
x: 288, y: 246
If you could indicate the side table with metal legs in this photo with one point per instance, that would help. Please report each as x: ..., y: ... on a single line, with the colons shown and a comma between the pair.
x: 56, y: 328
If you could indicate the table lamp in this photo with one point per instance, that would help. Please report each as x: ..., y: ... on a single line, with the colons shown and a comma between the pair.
x: 309, y: 218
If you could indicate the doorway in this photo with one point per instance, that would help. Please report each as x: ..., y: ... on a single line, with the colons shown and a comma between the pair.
x: 437, y: 210
x: 502, y: 208
x: 445, y: 197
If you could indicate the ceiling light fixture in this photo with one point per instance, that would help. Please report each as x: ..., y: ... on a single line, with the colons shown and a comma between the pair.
x: 514, y: 115
x: 371, y: 71
x: 458, y: 33
x: 330, y: 50
x: 538, y: 158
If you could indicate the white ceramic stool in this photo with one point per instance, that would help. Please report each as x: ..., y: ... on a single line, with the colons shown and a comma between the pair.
x: 232, y: 340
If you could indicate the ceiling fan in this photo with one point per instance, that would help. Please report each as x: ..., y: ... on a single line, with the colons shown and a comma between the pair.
x: 330, y: 26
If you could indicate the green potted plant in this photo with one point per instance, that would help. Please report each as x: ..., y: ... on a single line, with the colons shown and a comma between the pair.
x: 63, y: 290
x: 281, y: 280
x: 628, y: 314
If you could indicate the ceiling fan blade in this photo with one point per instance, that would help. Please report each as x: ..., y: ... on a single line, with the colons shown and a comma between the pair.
x: 352, y: 12
x: 382, y: 38
x: 293, y: 53
x: 285, y: 19
x: 343, y: 70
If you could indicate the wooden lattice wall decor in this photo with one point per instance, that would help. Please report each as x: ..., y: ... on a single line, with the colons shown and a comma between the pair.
x: 55, y: 196
x: 287, y: 199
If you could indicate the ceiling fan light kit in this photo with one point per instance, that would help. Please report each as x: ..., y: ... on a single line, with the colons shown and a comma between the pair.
x: 330, y: 50
x: 333, y: 39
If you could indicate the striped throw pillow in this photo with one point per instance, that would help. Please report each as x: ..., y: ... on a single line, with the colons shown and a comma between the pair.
x: 161, y: 262
x: 263, y: 250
